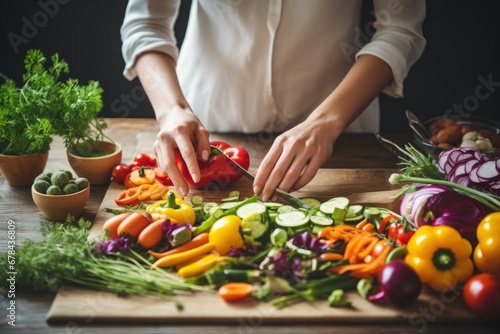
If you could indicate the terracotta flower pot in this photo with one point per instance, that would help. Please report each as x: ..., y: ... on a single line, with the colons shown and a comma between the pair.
x: 21, y: 170
x: 58, y: 207
x: 97, y: 169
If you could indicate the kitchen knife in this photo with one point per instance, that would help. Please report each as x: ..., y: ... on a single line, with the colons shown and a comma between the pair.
x: 282, y: 194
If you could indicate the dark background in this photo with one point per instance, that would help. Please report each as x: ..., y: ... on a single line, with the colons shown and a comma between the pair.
x: 461, y: 55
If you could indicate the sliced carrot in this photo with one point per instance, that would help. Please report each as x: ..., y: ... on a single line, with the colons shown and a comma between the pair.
x: 368, y: 249
x: 199, y: 240
x: 234, y: 291
x: 331, y: 257
x: 376, y: 265
x: 362, y: 223
x: 355, y: 245
x: 368, y: 227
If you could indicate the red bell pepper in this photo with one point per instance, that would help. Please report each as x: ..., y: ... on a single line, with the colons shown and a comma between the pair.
x: 217, y: 168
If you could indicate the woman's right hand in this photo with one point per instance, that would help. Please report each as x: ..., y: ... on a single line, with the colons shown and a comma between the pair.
x: 179, y: 127
x: 181, y: 130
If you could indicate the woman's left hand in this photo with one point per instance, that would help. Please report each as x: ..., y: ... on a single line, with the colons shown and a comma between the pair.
x: 295, y: 157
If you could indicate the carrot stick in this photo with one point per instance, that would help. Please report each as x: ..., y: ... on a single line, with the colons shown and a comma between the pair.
x: 362, y: 223
x: 331, y: 256
x: 368, y: 249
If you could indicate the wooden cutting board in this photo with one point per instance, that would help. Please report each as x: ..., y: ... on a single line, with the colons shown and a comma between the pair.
x: 84, y: 305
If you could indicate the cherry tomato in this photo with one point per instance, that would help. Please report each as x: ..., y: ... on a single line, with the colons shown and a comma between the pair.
x: 482, y: 296
x: 399, y: 235
x: 143, y: 159
x: 119, y: 172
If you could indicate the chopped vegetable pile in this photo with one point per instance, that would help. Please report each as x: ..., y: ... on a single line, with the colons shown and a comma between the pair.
x: 278, y: 254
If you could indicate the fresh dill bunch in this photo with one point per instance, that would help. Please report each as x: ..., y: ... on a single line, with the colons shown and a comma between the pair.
x: 64, y: 255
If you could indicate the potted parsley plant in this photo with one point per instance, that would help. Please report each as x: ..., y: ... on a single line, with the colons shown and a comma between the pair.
x: 90, y: 152
x: 26, y: 113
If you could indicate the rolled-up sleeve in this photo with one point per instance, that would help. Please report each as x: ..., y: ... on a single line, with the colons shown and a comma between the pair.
x: 398, y: 39
x: 148, y: 25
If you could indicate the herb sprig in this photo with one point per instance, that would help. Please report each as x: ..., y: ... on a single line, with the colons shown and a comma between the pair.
x: 64, y: 255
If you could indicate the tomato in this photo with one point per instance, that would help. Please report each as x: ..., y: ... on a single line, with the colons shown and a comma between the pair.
x: 399, y: 235
x: 143, y: 159
x: 119, y: 172
x: 482, y: 296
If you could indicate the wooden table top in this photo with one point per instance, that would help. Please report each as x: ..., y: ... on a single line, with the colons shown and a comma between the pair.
x: 359, y: 153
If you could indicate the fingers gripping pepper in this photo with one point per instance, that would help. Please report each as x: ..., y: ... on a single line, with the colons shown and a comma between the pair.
x: 216, y: 168
x: 440, y: 256
x: 175, y: 208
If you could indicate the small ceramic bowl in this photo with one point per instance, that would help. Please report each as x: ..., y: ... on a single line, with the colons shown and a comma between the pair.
x: 57, y: 207
x: 473, y: 122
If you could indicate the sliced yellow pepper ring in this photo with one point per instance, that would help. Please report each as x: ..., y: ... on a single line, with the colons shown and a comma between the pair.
x: 144, y: 192
x: 157, y: 190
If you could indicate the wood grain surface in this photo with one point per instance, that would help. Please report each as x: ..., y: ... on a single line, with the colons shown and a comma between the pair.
x: 71, y: 303
x: 369, y: 166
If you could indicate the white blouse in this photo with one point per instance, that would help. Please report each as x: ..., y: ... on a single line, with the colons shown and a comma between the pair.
x: 265, y: 65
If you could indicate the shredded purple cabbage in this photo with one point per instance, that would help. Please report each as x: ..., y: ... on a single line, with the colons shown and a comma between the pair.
x: 116, y: 245
x: 169, y: 228
x: 307, y: 241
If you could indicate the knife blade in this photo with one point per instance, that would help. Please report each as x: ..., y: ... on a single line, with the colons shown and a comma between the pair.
x: 281, y: 193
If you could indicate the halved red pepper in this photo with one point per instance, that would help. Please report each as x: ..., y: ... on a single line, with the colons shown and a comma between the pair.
x: 217, y: 168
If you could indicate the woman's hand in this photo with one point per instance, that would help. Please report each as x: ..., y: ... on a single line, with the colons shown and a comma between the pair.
x: 295, y: 157
x: 180, y: 129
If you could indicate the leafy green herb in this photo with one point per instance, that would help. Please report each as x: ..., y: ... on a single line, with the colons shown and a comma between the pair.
x: 63, y: 255
x: 26, y: 112
x: 45, y: 106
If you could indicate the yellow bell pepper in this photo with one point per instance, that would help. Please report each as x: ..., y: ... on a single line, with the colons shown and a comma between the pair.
x: 225, y: 234
x: 487, y: 251
x: 175, y: 208
x: 440, y: 256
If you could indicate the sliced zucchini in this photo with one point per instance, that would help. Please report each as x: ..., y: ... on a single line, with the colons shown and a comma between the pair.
x: 279, y: 237
x: 208, y: 205
x: 312, y: 202
x: 336, y: 202
x: 255, y: 225
x: 273, y: 205
x: 286, y: 208
x: 247, y: 209
x: 321, y: 220
x: 354, y: 210
x: 234, y: 193
x: 292, y: 219
x: 230, y: 199
x: 196, y: 200
x: 228, y: 205
x: 354, y: 220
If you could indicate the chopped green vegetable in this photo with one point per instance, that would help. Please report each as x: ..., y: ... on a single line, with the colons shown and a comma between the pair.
x: 337, y: 299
